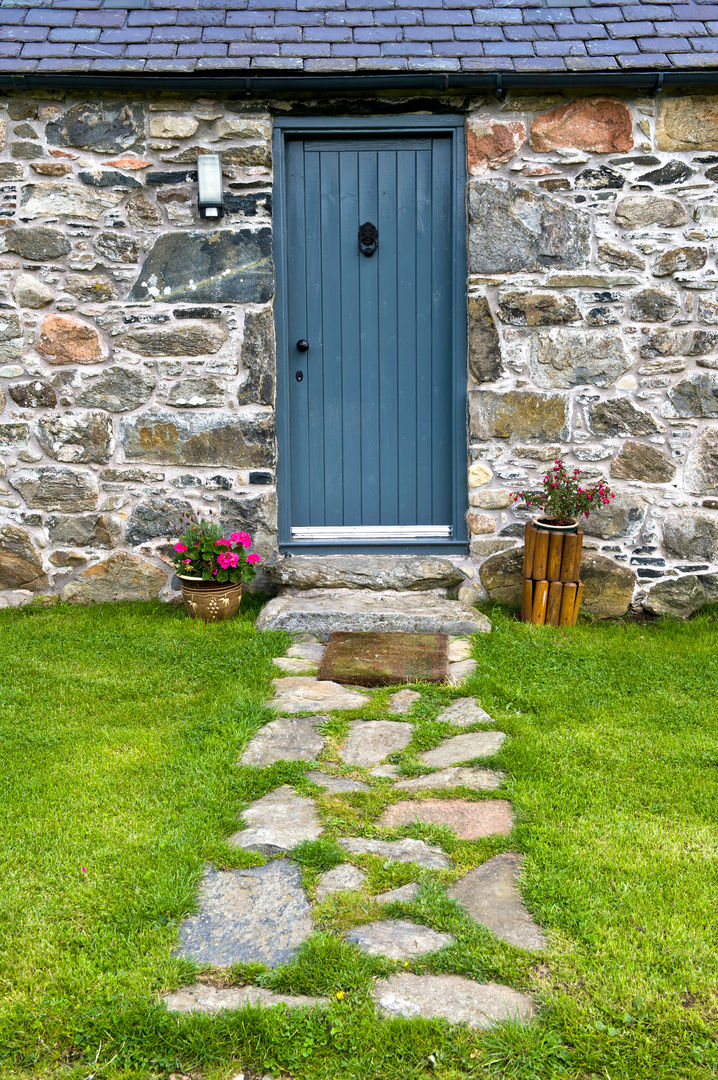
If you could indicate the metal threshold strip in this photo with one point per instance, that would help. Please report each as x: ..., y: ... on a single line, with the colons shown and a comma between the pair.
x: 336, y: 534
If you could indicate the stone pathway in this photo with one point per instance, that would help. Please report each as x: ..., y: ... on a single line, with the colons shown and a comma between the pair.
x: 263, y: 914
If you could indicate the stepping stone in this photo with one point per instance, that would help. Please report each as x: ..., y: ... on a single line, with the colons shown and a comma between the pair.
x: 457, y: 776
x: 261, y: 914
x: 285, y: 739
x: 452, y: 998
x: 461, y: 670
x: 404, y: 894
x: 211, y: 999
x: 406, y: 850
x: 294, y: 665
x: 402, y: 701
x: 491, y: 897
x: 463, y: 748
x: 322, y: 612
x: 307, y: 650
x: 463, y: 713
x: 398, y: 939
x: 293, y: 695
x: 459, y: 649
x: 385, y: 772
x: 379, y: 659
x: 278, y: 822
x: 469, y: 820
x: 370, y: 741
x: 342, y: 877
x: 335, y: 785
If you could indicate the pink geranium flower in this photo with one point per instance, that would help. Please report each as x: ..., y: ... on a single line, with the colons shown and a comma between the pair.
x: 222, y: 543
x: 253, y: 558
x: 242, y: 538
x: 180, y: 547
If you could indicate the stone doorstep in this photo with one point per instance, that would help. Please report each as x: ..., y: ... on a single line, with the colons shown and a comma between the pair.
x: 375, y: 572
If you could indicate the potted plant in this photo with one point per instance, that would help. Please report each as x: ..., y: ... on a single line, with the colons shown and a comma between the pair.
x: 211, y: 569
x: 563, y: 498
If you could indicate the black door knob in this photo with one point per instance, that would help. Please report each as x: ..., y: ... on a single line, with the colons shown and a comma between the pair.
x: 303, y: 345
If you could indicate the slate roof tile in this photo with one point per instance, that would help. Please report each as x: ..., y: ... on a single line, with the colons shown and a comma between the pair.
x: 116, y: 36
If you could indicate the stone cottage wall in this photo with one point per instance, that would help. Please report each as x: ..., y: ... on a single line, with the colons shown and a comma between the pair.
x: 137, y: 357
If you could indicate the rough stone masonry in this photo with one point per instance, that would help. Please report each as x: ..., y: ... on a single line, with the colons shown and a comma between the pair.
x: 137, y: 351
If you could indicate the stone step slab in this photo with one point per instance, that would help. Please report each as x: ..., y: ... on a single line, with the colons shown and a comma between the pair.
x: 398, y: 939
x: 321, y: 612
x: 406, y: 850
x: 277, y: 822
x: 468, y: 820
x: 452, y: 998
x: 370, y: 741
x: 295, y: 694
x: 463, y: 748
x: 339, y: 879
x: 456, y: 776
x: 286, y: 739
x: 261, y: 914
x: 376, y: 572
x: 490, y: 895
x: 335, y: 785
x: 212, y: 999
x: 463, y: 713
x: 403, y: 894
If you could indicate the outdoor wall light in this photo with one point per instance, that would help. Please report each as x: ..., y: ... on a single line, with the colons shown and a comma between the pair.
x: 209, y: 186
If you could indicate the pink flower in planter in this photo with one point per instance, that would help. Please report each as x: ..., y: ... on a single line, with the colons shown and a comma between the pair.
x: 222, y: 543
x: 180, y: 547
x: 242, y: 538
x: 254, y: 558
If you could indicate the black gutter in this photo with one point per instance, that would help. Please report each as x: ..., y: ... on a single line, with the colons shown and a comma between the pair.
x: 253, y: 83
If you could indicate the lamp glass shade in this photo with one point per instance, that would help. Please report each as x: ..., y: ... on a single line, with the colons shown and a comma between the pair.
x: 209, y: 177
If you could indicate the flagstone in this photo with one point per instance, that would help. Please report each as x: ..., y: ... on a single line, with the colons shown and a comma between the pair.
x: 469, y: 820
x: 339, y: 878
x: 385, y: 772
x: 463, y: 713
x: 278, y: 822
x: 460, y: 670
x: 491, y: 897
x: 370, y: 741
x: 335, y: 785
x: 295, y: 665
x: 307, y: 650
x: 294, y: 694
x: 255, y: 915
x: 211, y: 999
x: 459, y: 649
x: 463, y: 748
x: 286, y: 739
x: 404, y: 894
x: 406, y: 850
x: 398, y: 939
x: 455, y: 776
x: 452, y: 998
x: 402, y: 701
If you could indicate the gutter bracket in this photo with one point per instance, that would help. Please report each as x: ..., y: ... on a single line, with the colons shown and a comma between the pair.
x: 659, y: 85
x: 500, y: 92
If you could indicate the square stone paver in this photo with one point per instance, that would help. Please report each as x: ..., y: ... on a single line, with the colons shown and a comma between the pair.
x: 469, y: 820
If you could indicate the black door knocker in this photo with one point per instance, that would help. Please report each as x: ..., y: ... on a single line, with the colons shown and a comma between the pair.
x: 368, y: 238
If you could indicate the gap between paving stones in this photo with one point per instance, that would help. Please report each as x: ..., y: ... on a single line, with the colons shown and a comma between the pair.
x: 283, y: 818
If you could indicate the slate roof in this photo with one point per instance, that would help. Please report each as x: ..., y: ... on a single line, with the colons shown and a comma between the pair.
x: 344, y: 36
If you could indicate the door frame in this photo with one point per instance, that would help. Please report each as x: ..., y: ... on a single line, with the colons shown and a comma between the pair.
x: 451, y: 125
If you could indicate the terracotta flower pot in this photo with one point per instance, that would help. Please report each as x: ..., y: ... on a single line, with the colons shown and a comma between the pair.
x: 211, y: 601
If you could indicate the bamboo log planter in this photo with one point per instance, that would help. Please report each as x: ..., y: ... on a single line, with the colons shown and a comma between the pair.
x: 552, y: 589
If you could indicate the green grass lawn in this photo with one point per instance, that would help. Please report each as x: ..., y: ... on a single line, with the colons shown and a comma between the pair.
x: 120, y: 729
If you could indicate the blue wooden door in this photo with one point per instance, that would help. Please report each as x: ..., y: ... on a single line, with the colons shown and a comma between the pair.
x: 371, y: 400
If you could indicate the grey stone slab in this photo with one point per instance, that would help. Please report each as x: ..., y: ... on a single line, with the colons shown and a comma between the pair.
x: 340, y: 878
x: 224, y: 266
x: 454, y: 776
x: 261, y: 914
x: 286, y: 739
x: 469, y: 820
x: 491, y: 897
x: 398, y: 939
x: 402, y: 701
x: 463, y: 713
x: 404, y: 894
x: 307, y: 650
x: 294, y: 665
x: 406, y: 850
x: 378, y: 572
x: 278, y: 822
x: 335, y: 785
x: 385, y: 772
x: 463, y: 747
x: 461, y: 670
x: 459, y: 649
x: 324, y: 611
x: 306, y: 694
x: 370, y: 741
x: 212, y: 999
x: 452, y: 998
